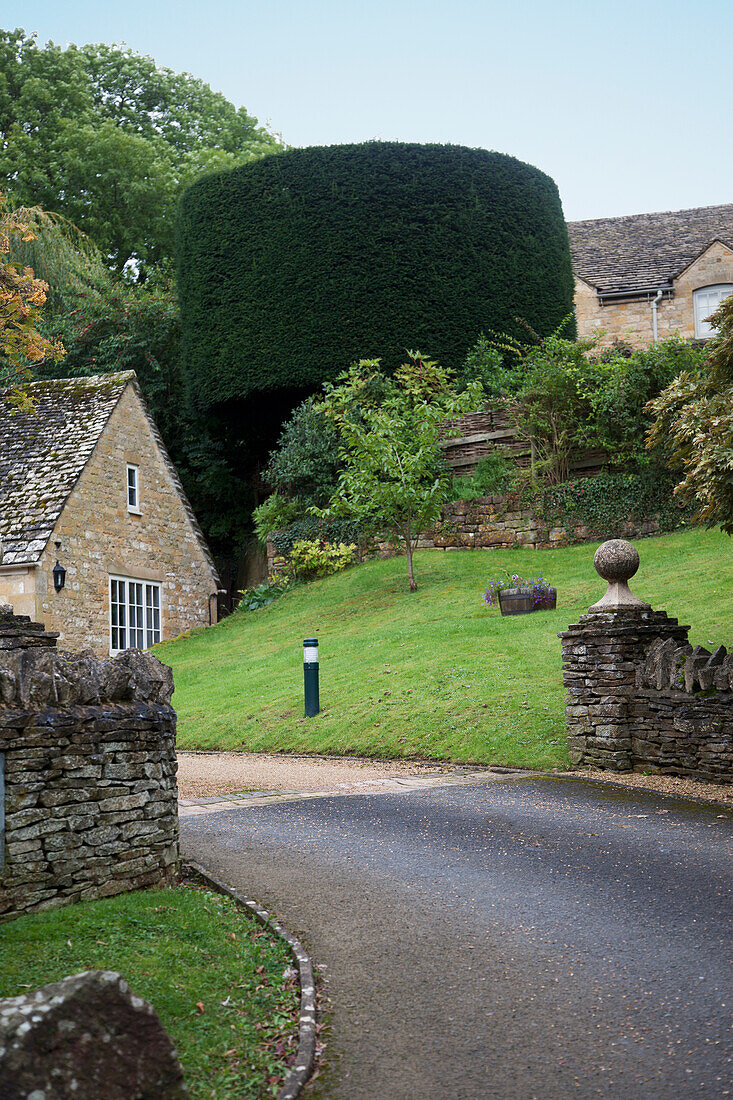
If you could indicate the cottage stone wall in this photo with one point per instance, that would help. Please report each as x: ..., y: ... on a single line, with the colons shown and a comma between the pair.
x: 631, y: 320
x: 89, y: 766
x: 99, y: 536
x: 18, y: 589
x: 640, y: 697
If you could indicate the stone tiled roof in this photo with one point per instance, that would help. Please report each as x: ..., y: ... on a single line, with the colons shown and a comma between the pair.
x: 43, y: 453
x: 645, y: 251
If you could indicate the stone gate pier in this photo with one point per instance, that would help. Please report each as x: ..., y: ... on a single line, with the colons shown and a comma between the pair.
x: 639, y: 696
x: 88, y: 796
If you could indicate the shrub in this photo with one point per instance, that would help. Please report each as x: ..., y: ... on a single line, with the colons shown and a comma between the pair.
x: 311, y: 528
x: 693, y: 430
x: 483, y: 363
x: 565, y: 397
x: 292, y: 267
x: 620, y: 405
x: 493, y: 474
x: 305, y: 462
x: 252, y: 599
x: 276, y: 512
x: 313, y: 558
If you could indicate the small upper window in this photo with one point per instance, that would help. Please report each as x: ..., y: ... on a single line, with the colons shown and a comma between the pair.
x: 133, y: 494
x: 707, y: 299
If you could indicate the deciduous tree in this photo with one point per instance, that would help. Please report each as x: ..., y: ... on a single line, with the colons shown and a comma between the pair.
x: 393, y: 472
x: 22, y: 297
x: 109, y: 139
x: 693, y: 429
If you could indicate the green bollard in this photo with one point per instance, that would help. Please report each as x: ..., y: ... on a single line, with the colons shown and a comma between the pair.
x: 310, y: 676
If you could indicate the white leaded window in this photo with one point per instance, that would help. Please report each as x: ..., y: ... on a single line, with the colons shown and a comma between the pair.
x: 133, y: 490
x: 706, y: 300
x: 134, y: 614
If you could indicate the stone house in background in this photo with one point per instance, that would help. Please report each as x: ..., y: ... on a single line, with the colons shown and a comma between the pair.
x: 651, y: 276
x: 87, y: 490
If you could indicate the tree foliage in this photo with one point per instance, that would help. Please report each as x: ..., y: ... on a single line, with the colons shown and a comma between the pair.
x: 305, y: 463
x: 109, y: 139
x: 295, y: 265
x: 115, y: 327
x: 393, y: 475
x: 22, y: 297
x: 693, y: 429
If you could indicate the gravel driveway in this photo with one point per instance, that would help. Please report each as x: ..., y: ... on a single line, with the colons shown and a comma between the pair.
x: 208, y: 773
x: 203, y: 774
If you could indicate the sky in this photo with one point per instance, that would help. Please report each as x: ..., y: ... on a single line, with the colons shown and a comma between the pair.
x: 627, y: 105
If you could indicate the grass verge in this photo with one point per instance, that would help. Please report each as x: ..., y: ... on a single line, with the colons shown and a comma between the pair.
x: 432, y: 674
x: 213, y: 975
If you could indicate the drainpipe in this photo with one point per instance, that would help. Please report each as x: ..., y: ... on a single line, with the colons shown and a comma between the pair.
x: 655, y: 325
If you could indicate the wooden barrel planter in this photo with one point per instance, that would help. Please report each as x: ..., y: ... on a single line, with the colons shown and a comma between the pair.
x: 514, y: 602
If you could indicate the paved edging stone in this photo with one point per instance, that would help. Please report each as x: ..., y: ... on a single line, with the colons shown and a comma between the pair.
x: 190, y: 807
x: 306, y: 1055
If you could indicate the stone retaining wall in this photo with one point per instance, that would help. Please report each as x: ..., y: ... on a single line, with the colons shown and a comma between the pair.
x: 89, y: 772
x: 488, y: 523
x: 640, y: 697
x: 498, y: 522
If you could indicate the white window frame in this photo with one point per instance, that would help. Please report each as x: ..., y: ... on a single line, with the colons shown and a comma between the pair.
x: 132, y: 484
x: 704, y: 330
x: 135, y: 613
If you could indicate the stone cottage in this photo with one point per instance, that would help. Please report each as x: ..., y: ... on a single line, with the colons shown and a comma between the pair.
x: 99, y: 541
x: 651, y: 276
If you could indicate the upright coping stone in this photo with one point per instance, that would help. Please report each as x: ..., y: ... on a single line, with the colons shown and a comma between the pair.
x: 617, y: 561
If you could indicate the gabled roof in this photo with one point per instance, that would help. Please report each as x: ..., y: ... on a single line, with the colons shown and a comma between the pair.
x: 43, y: 453
x: 645, y: 251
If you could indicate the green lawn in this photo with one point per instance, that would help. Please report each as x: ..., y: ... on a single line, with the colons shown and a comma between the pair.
x: 187, y: 951
x: 431, y: 674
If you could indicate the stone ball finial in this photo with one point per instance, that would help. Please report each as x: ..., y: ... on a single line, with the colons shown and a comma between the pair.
x: 617, y: 561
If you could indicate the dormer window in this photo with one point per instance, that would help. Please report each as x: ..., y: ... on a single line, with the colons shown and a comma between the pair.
x: 133, y: 491
x: 707, y: 299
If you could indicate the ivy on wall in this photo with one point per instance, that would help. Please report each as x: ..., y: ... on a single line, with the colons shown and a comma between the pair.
x: 605, y: 503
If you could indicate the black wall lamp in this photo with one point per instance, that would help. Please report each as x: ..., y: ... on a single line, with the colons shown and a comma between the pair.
x: 59, y: 573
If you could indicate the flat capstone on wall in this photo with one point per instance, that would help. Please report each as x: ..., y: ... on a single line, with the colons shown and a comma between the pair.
x: 639, y: 696
x: 88, y: 765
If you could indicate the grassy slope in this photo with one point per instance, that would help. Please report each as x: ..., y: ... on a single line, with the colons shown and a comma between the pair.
x: 432, y: 674
x: 187, y: 951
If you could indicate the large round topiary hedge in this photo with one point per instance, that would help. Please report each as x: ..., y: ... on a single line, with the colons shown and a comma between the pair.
x: 292, y: 267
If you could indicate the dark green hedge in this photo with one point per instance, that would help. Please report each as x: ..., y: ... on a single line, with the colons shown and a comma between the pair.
x: 292, y: 267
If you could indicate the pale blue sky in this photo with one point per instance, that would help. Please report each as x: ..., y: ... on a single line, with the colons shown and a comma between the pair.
x: 627, y: 104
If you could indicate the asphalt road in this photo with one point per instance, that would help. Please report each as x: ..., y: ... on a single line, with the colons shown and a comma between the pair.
x: 528, y: 939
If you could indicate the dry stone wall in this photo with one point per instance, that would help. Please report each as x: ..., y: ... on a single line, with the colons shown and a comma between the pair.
x: 89, y: 769
x: 639, y: 696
